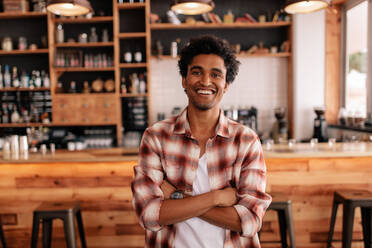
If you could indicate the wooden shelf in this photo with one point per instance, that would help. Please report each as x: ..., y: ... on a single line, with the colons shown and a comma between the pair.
x: 131, y: 5
x: 27, y: 51
x: 65, y: 69
x: 133, y: 95
x: 132, y: 35
x: 84, y: 20
x: 93, y: 94
x: 90, y: 44
x: 160, y: 26
x: 79, y: 124
x: 24, y: 124
x: 133, y: 65
x: 24, y: 89
x: 241, y: 55
x: 20, y: 15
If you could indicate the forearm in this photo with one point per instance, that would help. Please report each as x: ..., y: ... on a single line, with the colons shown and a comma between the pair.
x: 225, y: 217
x: 174, y: 211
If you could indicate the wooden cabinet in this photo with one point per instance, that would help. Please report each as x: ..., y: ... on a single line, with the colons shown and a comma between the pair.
x: 85, y: 110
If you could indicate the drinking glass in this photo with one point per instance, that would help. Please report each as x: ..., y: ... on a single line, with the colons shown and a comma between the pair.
x: 313, y: 142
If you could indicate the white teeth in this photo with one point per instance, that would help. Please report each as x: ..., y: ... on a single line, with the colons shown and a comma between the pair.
x: 205, y: 92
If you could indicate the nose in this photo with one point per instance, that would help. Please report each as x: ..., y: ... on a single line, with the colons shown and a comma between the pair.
x: 205, y: 80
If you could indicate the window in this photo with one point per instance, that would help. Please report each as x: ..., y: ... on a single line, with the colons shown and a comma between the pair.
x: 355, y: 53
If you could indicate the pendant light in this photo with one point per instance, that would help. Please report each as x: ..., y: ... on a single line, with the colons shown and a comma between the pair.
x: 69, y: 7
x: 305, y: 6
x: 192, y: 7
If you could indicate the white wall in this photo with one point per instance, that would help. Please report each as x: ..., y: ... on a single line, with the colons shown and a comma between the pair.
x: 309, y: 70
x: 261, y: 82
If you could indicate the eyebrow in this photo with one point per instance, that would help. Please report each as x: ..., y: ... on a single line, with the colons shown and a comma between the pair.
x: 201, y: 68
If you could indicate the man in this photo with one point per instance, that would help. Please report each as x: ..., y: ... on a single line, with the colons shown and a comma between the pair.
x: 201, y: 177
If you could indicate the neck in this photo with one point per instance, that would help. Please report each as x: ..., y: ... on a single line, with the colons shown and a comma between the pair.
x: 203, y: 122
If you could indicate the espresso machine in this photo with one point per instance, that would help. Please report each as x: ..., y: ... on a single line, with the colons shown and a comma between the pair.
x: 320, y: 125
x: 280, y: 128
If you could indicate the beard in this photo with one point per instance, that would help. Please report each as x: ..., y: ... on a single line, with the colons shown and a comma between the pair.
x: 198, y: 105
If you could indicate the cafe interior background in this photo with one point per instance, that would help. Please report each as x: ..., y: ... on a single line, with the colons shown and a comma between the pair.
x: 77, y: 92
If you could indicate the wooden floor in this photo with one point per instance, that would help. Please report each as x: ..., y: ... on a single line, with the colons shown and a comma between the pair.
x: 110, y: 222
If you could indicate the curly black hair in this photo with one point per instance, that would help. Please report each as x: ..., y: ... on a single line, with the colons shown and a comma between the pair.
x: 209, y: 44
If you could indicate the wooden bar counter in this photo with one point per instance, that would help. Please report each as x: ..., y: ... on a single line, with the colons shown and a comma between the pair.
x: 100, y: 180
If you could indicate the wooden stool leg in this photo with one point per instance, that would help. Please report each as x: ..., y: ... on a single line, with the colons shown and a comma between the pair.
x: 69, y: 226
x: 2, y: 235
x: 35, y: 230
x: 347, y: 225
x: 283, y: 228
x: 366, y: 222
x: 81, y: 229
x: 332, y: 225
x: 289, y: 220
x: 47, y: 233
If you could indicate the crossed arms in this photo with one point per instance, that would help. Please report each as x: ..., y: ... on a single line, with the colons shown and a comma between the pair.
x: 214, y: 207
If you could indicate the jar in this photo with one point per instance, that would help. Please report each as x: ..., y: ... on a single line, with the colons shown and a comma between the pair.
x: 7, y: 44
x: 22, y: 43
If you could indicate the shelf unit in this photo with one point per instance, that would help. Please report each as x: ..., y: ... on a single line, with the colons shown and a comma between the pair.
x: 18, y: 15
x: 27, y: 51
x: 160, y: 26
x: 122, y: 15
x: 90, y: 44
x: 21, y: 125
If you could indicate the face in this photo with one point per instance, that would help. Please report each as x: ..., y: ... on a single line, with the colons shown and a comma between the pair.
x: 205, y: 82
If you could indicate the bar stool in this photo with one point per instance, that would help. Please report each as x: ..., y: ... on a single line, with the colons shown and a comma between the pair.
x: 283, y: 207
x: 66, y: 211
x: 352, y: 199
x: 2, y: 237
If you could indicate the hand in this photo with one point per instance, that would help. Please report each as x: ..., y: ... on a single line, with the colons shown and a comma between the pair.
x: 226, y: 197
x: 167, y: 189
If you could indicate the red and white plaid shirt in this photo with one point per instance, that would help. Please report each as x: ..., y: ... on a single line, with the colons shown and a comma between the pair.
x: 234, y: 157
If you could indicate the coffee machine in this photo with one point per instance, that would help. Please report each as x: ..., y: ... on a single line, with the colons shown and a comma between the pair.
x: 320, y: 125
x: 280, y: 128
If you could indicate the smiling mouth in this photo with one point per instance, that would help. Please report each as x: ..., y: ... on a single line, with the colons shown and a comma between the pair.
x: 205, y: 92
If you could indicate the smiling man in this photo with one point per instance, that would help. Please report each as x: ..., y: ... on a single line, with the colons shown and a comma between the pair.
x: 201, y: 177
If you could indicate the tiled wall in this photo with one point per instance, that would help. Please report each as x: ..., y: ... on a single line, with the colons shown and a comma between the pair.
x: 261, y: 82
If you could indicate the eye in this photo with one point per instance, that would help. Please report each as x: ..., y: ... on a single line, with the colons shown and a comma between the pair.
x: 216, y: 75
x: 195, y: 72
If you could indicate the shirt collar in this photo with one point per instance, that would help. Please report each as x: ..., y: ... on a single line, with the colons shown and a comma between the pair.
x: 182, y: 125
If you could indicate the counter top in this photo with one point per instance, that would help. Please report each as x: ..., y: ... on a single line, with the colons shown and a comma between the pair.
x: 301, y: 150
x: 92, y: 155
x: 321, y: 150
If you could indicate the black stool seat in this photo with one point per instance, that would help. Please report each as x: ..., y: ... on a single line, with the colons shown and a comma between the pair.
x: 66, y: 211
x: 350, y: 200
x: 2, y: 237
x: 282, y: 205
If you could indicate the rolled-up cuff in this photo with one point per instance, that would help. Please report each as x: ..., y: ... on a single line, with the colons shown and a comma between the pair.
x: 150, y: 216
x: 249, y: 222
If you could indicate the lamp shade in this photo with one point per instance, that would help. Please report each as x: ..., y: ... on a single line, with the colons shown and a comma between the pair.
x: 69, y: 7
x: 192, y: 7
x: 305, y: 6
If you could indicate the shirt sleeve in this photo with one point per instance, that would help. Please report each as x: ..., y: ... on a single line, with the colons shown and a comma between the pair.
x: 148, y: 176
x: 252, y: 199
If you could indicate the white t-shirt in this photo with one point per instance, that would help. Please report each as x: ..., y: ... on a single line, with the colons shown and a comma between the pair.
x: 195, y: 232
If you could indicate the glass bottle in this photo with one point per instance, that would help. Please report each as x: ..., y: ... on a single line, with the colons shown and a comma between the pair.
x: 105, y: 35
x: 46, y: 80
x: 60, y: 34
x: 7, y: 77
x: 59, y: 88
x: 135, y: 83
x: 15, y: 117
x: 5, y: 117
x: 93, y: 37
x: 86, y: 88
x: 142, y: 83
x: 123, y: 86
x: 72, y: 88
x: 138, y: 55
x: 37, y: 79
x: 24, y: 80
x: 15, y: 80
x: 1, y: 79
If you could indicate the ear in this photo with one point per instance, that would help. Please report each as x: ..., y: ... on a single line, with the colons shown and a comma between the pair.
x: 184, y: 82
x: 226, y: 87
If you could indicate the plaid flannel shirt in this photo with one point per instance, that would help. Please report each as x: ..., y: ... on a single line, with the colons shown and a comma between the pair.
x: 234, y: 157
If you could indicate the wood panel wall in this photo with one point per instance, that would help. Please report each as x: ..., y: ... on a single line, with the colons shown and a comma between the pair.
x: 110, y: 222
